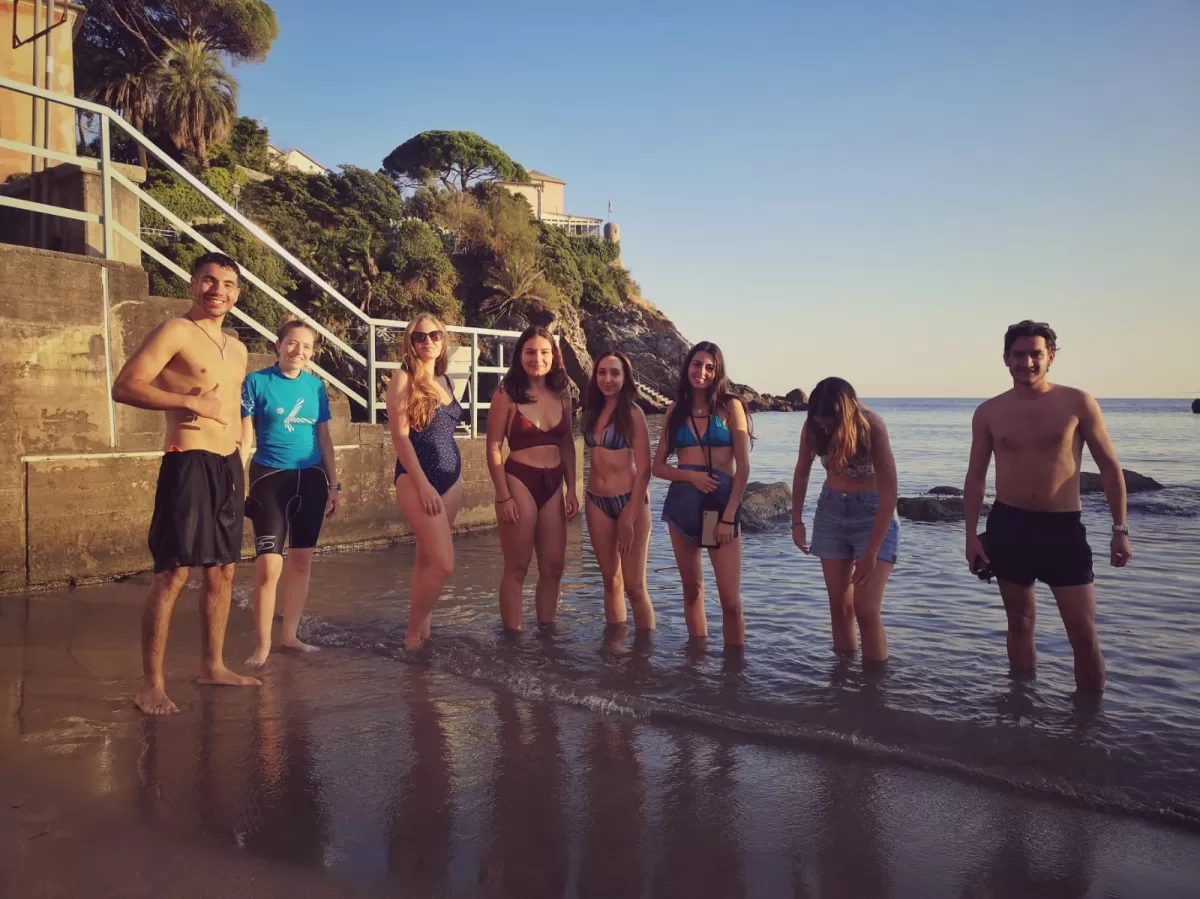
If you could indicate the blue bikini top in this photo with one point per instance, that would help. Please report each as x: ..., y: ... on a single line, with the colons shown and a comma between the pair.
x: 610, y: 439
x: 715, y: 435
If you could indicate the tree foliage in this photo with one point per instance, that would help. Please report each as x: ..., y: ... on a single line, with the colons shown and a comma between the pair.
x: 247, y: 145
x: 197, y: 99
x: 455, y: 159
x: 244, y: 30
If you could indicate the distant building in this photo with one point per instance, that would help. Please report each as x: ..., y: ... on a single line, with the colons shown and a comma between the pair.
x: 545, y: 195
x: 296, y: 161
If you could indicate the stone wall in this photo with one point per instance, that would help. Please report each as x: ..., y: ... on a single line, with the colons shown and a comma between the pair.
x: 76, y: 485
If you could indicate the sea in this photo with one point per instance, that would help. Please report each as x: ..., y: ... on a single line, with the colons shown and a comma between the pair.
x: 943, y: 703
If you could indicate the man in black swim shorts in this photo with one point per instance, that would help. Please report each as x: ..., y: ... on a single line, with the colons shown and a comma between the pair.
x: 192, y: 370
x: 1037, y: 432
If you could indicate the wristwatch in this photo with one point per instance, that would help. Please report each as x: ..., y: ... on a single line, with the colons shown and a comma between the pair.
x: 336, y: 485
x: 1121, y: 529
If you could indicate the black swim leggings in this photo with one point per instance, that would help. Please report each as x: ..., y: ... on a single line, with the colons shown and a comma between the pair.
x: 286, y: 504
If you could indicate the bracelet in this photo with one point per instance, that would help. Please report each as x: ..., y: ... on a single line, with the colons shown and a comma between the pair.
x: 730, y: 523
x: 501, y: 502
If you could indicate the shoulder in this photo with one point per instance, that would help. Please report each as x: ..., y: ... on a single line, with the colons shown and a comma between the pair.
x: 735, y: 409
x: 173, y: 332
x: 500, y: 396
x: 875, y: 421
x: 985, y: 410
x: 1079, y: 402
x: 256, y: 379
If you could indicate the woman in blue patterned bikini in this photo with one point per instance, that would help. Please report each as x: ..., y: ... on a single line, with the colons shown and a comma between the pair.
x: 618, y: 499
x: 423, y: 413
x: 855, y: 534
x: 708, y: 428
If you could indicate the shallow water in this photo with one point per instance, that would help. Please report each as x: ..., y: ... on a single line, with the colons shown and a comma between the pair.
x: 944, y: 701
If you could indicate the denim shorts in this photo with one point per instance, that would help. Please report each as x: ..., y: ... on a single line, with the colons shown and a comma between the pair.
x: 684, y: 503
x: 843, y: 523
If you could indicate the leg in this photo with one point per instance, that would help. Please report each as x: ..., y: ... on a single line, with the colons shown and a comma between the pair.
x: 516, y: 543
x: 267, y: 569
x: 633, y: 571
x: 295, y: 592
x: 156, y: 622
x: 1020, y: 604
x: 868, y: 599
x: 550, y: 538
x: 214, y: 610
x: 451, y: 503
x: 727, y: 566
x: 1077, y: 605
x: 687, y: 558
x: 603, y: 531
x: 434, y: 562
x: 841, y: 603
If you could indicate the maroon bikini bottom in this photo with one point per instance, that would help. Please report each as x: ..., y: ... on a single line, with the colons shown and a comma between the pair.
x: 542, y: 483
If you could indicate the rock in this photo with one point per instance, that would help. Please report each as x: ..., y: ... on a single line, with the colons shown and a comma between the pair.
x: 763, y: 504
x: 1091, y: 482
x: 646, y: 336
x: 933, y: 508
x: 945, y: 491
x: 762, y: 402
x: 1196, y: 406
x: 798, y: 398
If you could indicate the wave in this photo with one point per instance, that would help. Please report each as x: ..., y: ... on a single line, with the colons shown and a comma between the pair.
x: 1009, y: 758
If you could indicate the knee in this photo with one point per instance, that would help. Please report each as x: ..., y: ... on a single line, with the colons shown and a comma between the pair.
x: 842, y: 612
x: 268, y: 567
x: 441, y: 564
x: 868, y: 619
x: 516, y: 569
x: 172, y: 581
x: 693, y: 593
x: 300, y: 562
x: 1021, y: 624
x: 1083, y: 638
x: 551, y: 570
x: 732, y: 608
x: 612, y: 581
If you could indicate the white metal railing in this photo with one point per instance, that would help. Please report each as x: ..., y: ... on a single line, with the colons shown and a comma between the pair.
x: 111, y: 229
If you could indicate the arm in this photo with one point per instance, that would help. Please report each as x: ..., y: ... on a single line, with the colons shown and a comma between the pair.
x: 325, y: 442
x: 800, y: 477
x: 134, y: 384
x: 566, y: 450
x: 886, y: 483
x: 1095, y: 435
x: 246, y: 444
x: 641, y: 458
x: 497, y: 429
x: 739, y: 427
x: 976, y: 482
x: 660, y: 468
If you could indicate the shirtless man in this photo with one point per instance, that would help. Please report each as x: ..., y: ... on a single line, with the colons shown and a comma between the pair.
x: 1037, y: 431
x: 192, y: 370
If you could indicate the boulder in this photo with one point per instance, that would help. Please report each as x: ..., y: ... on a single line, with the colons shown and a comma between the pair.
x: 763, y: 504
x: 646, y: 336
x: 1091, y: 482
x: 1196, y: 406
x: 933, y: 508
x: 798, y: 398
x: 945, y: 491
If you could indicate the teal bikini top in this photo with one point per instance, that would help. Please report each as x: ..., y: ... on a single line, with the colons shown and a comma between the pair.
x: 715, y: 435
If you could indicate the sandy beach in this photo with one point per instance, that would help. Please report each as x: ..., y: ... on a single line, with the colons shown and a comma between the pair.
x: 354, y: 773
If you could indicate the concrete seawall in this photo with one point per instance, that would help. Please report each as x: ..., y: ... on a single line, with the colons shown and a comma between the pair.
x: 77, y: 473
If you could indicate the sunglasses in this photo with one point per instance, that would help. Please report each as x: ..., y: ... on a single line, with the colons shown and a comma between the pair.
x: 422, y: 336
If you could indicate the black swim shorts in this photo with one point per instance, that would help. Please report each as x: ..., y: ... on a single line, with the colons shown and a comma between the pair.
x: 198, y: 510
x: 286, y: 503
x: 1027, y: 546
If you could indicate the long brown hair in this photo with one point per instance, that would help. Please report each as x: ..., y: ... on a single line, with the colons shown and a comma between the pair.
x: 423, y: 398
x: 718, y: 397
x: 622, y: 418
x: 851, y: 438
x: 516, y: 380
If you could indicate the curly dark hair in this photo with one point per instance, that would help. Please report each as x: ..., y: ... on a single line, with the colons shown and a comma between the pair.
x: 1030, y: 328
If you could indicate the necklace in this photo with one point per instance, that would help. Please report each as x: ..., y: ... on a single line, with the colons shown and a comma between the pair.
x: 220, y: 346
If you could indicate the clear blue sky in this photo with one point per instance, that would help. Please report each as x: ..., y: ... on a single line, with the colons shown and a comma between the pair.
x: 873, y: 190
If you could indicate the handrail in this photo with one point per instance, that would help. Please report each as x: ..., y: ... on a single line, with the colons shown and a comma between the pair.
x: 112, y: 229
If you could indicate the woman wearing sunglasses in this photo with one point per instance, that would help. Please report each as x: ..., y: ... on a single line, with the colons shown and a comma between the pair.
x: 423, y: 414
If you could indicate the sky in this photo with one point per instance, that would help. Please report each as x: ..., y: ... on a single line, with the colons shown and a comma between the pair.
x: 869, y: 190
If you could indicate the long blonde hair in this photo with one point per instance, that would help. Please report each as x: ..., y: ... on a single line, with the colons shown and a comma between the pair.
x: 834, y: 398
x: 423, y: 399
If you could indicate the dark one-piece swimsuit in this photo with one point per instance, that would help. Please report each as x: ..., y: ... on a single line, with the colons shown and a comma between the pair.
x: 435, y: 446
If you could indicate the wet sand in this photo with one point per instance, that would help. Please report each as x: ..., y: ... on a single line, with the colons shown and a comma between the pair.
x: 350, y: 773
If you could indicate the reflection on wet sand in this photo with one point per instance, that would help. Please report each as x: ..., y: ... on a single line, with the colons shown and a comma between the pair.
x: 613, y: 862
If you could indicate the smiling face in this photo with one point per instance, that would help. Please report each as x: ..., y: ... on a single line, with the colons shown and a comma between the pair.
x: 214, y: 290
x: 428, y: 339
x: 702, y: 371
x: 610, y: 376
x: 1029, y: 360
x: 537, y: 356
x: 295, y: 349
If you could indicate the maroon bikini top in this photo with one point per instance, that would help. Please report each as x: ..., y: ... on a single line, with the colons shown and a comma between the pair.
x: 523, y: 434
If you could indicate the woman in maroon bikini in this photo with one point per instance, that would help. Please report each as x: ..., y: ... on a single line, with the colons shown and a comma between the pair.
x: 532, y: 409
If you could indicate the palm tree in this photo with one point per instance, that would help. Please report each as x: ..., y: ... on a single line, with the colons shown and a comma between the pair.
x: 197, y: 99
x: 514, y: 282
x: 127, y: 84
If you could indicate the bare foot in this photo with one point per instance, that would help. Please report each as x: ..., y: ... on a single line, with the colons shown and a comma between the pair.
x: 413, y: 642
x: 223, y: 677
x: 299, y: 646
x: 259, y: 658
x: 152, y: 699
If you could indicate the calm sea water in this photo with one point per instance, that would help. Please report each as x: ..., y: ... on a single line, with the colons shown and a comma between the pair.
x: 944, y: 701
